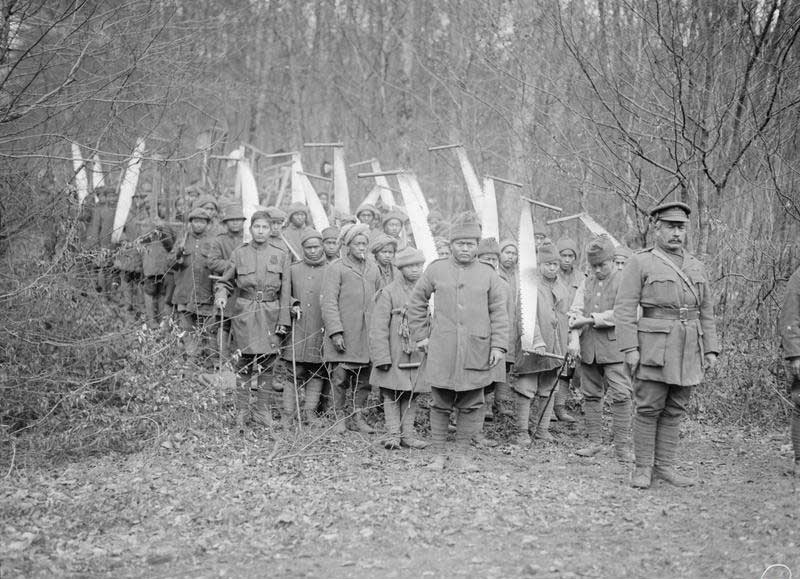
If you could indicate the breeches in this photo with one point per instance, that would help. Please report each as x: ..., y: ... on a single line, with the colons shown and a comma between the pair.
x: 654, y: 399
x: 446, y: 400
x: 597, y: 378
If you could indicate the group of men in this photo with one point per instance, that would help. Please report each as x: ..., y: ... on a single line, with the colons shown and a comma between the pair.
x: 352, y: 310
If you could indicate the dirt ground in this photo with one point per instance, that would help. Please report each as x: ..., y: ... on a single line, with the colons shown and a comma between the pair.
x: 205, y: 503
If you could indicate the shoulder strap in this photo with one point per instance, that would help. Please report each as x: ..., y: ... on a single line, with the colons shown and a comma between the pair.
x: 682, y: 274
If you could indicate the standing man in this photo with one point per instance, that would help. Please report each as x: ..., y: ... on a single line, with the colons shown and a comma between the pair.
x: 468, y: 340
x: 572, y: 278
x: 218, y: 257
x: 347, y: 300
x: 790, y: 336
x: 331, y: 244
x: 509, y: 260
x: 672, y: 344
x: 194, y: 291
x: 593, y: 339
x: 395, y: 358
x: 260, y: 270
x: 384, y: 248
x: 296, y: 226
x: 306, y: 346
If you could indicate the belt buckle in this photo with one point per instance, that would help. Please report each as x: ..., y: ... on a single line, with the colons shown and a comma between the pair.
x: 259, y: 296
x: 683, y: 314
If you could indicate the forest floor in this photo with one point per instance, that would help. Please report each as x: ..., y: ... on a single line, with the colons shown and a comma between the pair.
x: 200, y: 501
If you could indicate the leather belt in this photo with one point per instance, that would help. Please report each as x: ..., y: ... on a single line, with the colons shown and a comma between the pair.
x: 683, y: 314
x: 259, y: 296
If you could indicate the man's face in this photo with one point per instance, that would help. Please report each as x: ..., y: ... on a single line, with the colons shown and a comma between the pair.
x: 323, y: 199
x: 509, y: 256
x: 490, y: 259
x: 234, y: 225
x: 275, y: 226
x: 603, y: 270
x: 412, y: 272
x: 567, y: 258
x: 620, y: 261
x: 210, y: 209
x: 393, y: 227
x: 260, y: 230
x: 358, y: 247
x: 298, y: 219
x: 331, y: 247
x: 365, y: 217
x: 443, y: 251
x: 312, y: 249
x: 670, y: 235
x: 386, y: 255
x: 198, y: 226
x: 550, y: 270
x: 539, y: 239
x: 464, y: 250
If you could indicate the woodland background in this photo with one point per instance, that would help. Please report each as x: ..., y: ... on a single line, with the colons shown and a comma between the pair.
x: 605, y: 106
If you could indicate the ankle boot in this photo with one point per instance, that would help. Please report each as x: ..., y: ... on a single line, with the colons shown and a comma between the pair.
x: 642, y: 477
x: 593, y: 408
x: 391, y: 412
x: 262, y: 411
x: 522, y: 407
x: 544, y: 410
x: 360, y: 424
x: 408, y: 436
x: 560, y: 400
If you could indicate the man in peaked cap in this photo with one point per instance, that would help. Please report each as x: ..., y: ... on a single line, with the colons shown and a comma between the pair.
x: 789, y: 328
x: 467, y: 342
x: 602, y: 364
x: 670, y: 346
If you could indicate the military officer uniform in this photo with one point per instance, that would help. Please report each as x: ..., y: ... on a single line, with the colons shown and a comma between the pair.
x: 669, y: 347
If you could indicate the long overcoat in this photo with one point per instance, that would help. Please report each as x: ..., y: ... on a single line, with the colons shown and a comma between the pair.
x: 193, y: 286
x: 347, y: 300
x: 551, y: 329
x: 789, y: 320
x: 469, y: 318
x: 596, y: 300
x: 670, y: 350
x: 261, y: 272
x: 306, y: 286
x: 387, y: 343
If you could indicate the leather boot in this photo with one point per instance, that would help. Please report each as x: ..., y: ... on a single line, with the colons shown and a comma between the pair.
x: 360, y: 424
x: 469, y: 424
x: 503, y: 394
x: 559, y: 406
x: 439, y: 423
x: 522, y: 406
x: 621, y: 428
x: 665, y: 450
x: 644, y: 439
x: 544, y: 411
x: 313, y: 392
x: 242, y: 403
x: 642, y: 477
x: 339, y: 416
x: 150, y: 315
x: 391, y: 412
x: 262, y: 411
x: 593, y: 408
x: 488, y: 405
x: 408, y: 411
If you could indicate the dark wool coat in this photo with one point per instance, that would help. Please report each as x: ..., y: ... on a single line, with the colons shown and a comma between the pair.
x: 469, y: 318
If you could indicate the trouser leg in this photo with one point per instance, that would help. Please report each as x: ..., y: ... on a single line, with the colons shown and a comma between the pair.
x: 522, y: 407
x: 796, y: 420
x: 619, y: 390
x: 186, y: 320
x: 338, y: 382
x: 593, y: 388
x: 669, y: 425
x: 544, y: 403
x: 650, y: 400
x: 242, y: 398
x: 470, y: 405
x: 391, y: 412
x: 442, y: 402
